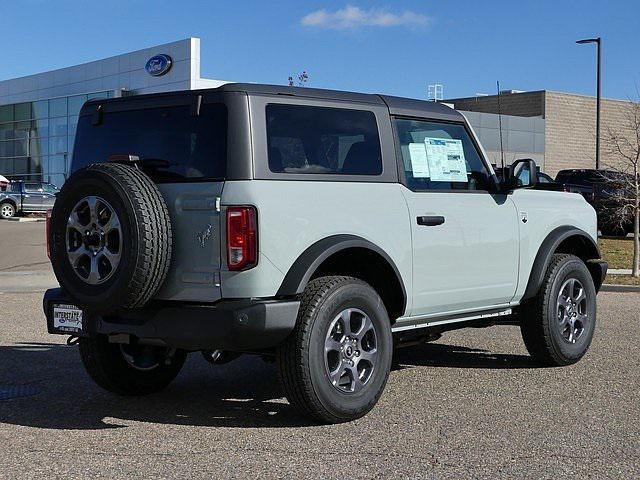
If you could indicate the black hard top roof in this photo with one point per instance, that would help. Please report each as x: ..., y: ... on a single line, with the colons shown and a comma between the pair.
x: 397, y: 105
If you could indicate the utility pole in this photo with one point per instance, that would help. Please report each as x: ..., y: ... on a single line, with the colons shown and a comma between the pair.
x: 598, y: 42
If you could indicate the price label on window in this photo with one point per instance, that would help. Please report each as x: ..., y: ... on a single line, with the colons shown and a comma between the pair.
x: 419, y: 163
x: 445, y: 158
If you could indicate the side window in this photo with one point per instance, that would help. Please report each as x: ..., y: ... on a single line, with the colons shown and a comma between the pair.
x: 48, y: 188
x: 440, y: 156
x: 31, y: 187
x: 319, y: 140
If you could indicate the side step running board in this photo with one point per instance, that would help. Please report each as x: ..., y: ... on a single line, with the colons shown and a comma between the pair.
x: 416, y: 322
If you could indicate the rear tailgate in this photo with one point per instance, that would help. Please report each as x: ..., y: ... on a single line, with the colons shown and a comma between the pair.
x: 196, y: 223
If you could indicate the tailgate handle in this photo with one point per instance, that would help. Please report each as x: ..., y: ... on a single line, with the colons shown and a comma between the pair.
x: 430, y: 220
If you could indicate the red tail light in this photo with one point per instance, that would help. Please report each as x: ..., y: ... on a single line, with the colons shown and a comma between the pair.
x: 242, y: 238
x: 48, y: 233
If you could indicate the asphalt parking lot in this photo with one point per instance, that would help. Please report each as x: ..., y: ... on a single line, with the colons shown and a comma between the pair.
x: 23, y: 247
x: 468, y: 406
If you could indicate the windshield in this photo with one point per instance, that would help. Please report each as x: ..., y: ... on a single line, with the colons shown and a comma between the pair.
x: 172, y: 144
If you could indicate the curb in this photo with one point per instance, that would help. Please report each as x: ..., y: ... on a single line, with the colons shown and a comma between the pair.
x: 619, y: 271
x: 609, y: 287
x: 25, y: 219
x: 27, y: 281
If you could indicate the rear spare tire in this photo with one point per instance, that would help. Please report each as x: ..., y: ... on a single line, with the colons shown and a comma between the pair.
x: 111, y: 238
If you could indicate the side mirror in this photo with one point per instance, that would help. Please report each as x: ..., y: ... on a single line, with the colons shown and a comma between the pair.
x: 522, y: 173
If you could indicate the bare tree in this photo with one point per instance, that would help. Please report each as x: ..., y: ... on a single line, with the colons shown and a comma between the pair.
x: 300, y: 79
x: 622, y: 143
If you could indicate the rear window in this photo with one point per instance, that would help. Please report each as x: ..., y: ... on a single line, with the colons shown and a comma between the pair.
x: 172, y: 144
x: 321, y: 140
x: 32, y: 187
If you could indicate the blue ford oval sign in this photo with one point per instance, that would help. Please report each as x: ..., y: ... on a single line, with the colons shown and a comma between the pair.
x: 158, y: 65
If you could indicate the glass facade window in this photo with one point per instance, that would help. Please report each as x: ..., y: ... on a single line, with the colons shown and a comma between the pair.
x: 36, y: 138
x: 58, y: 126
x: 58, y: 107
x: 6, y: 113
x: 75, y: 104
x: 22, y: 111
x: 41, y: 109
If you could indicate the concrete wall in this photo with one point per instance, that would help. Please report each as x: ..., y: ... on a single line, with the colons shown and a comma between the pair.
x: 570, y: 124
x: 522, y: 137
x: 526, y: 104
x: 571, y: 130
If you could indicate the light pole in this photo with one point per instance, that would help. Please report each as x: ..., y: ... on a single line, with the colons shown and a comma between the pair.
x: 598, y: 42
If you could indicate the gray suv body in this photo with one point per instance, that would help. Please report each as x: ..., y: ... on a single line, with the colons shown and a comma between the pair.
x: 323, y: 228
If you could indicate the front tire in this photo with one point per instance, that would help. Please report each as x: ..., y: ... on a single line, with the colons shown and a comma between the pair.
x: 130, y: 369
x: 7, y: 210
x: 335, y: 364
x: 557, y: 325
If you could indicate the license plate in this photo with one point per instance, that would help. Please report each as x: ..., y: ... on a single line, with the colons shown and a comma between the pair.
x: 67, y: 318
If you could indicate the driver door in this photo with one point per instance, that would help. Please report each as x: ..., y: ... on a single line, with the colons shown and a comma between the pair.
x: 464, y: 234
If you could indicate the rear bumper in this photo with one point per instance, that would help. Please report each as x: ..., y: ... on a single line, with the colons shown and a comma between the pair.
x: 237, y: 325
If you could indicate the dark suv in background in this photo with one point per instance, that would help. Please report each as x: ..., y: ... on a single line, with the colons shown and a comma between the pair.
x: 602, y: 189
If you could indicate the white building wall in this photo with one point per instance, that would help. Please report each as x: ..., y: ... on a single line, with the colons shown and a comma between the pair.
x: 125, y: 71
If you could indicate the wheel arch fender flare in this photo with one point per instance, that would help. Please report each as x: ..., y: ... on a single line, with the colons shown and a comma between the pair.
x: 302, y: 270
x: 588, y: 251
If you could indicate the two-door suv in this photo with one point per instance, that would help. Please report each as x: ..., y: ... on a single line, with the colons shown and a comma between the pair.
x: 318, y: 227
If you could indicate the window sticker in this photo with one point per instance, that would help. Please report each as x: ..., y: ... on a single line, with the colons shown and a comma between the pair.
x: 419, y: 163
x: 446, y: 160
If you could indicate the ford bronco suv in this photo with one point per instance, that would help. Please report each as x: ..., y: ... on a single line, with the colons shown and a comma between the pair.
x: 321, y: 228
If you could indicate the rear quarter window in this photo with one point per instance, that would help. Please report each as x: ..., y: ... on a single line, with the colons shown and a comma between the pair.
x: 172, y: 144
x: 321, y: 140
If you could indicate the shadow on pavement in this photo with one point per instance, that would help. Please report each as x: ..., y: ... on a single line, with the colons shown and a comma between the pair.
x: 244, y: 393
x: 441, y: 355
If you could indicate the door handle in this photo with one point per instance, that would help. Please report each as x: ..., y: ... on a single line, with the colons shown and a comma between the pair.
x: 430, y: 220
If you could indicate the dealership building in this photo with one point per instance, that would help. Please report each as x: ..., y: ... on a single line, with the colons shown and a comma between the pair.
x: 557, y: 130
x: 39, y: 113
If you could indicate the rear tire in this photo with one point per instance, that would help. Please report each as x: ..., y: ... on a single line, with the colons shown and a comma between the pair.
x: 335, y: 364
x: 130, y: 369
x: 7, y: 210
x: 557, y: 325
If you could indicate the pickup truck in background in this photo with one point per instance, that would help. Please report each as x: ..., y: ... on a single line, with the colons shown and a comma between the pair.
x: 602, y: 189
x: 27, y: 197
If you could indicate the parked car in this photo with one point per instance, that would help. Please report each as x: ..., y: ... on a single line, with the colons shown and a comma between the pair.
x: 317, y: 227
x: 602, y: 191
x: 27, y: 197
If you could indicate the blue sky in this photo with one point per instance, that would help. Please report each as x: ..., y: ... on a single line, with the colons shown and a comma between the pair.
x: 394, y: 47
